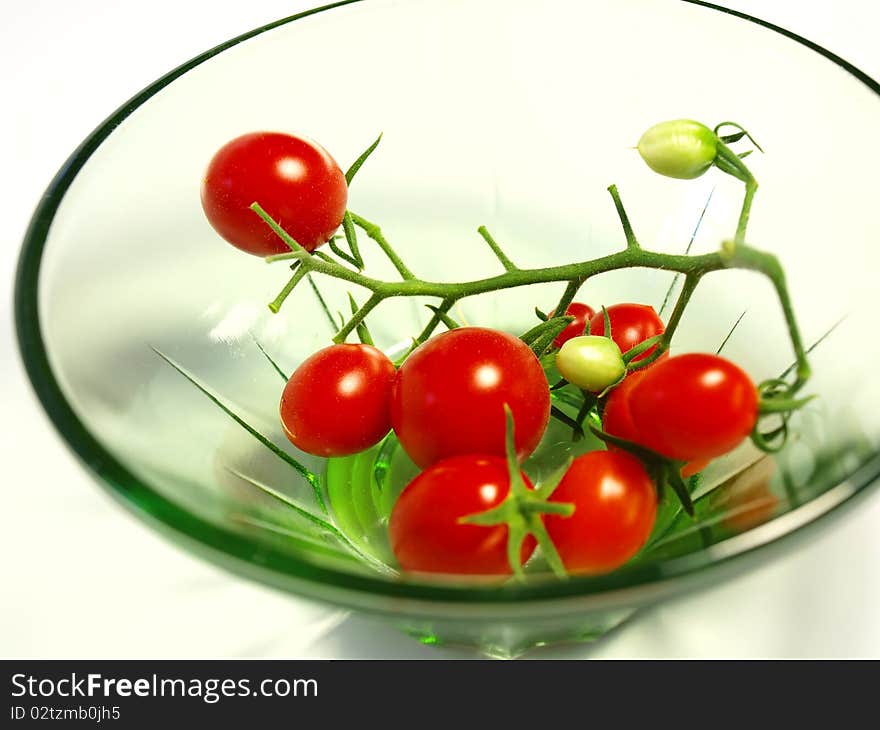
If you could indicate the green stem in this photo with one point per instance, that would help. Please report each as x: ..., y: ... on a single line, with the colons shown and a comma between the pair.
x: 496, y: 249
x: 357, y: 318
x: 352, y: 239
x: 694, y: 267
x: 744, y: 257
x: 299, y: 273
x: 568, y: 296
x: 374, y: 232
x: 690, y: 284
x: 751, y: 189
x: 631, y: 240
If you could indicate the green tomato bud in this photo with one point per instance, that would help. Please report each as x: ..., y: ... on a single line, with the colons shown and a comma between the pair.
x: 591, y: 362
x: 681, y: 148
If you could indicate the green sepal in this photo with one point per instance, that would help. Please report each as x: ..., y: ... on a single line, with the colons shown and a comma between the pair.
x: 521, y: 510
x: 356, y: 165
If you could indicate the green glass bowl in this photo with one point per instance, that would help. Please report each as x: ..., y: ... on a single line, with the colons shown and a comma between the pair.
x: 516, y: 115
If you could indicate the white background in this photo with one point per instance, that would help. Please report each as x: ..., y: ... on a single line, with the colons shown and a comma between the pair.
x: 82, y: 578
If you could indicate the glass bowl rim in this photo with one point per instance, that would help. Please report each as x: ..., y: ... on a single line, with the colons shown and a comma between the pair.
x: 221, y: 543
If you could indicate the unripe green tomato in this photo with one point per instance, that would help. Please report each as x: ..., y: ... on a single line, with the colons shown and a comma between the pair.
x: 681, y: 148
x: 591, y: 362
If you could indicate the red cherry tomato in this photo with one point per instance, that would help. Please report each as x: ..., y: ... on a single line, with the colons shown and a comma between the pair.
x: 615, y: 505
x: 337, y: 402
x: 295, y: 181
x: 449, y: 396
x: 617, y: 420
x: 582, y: 314
x: 693, y: 406
x: 631, y: 324
x: 424, y: 528
x: 616, y: 416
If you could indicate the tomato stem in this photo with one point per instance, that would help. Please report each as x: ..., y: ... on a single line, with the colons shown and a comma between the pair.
x: 373, y: 231
x: 496, y: 249
x: 631, y: 240
x: 733, y: 254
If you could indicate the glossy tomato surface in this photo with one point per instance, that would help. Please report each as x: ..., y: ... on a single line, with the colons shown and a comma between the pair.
x: 582, y: 314
x: 631, y: 324
x: 338, y: 401
x: 615, y: 505
x: 425, y: 532
x: 694, y: 406
x: 295, y: 181
x: 617, y: 420
x: 449, y: 396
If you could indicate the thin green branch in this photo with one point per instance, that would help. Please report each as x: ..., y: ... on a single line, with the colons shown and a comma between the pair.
x: 299, y: 273
x: 444, y: 318
x: 362, y: 330
x: 496, y: 249
x: 357, y: 318
x: 693, y: 267
x: 631, y: 240
x: 352, y: 239
x: 745, y: 257
x: 568, y: 295
x: 374, y: 232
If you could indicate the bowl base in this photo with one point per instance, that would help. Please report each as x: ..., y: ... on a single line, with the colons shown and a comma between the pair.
x: 513, y: 639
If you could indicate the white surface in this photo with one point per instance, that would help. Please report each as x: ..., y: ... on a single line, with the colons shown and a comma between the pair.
x: 82, y: 578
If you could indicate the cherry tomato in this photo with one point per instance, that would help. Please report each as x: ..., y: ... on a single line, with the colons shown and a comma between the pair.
x: 295, y: 181
x: 424, y: 528
x: 582, y: 314
x: 338, y: 401
x: 615, y: 505
x: 617, y: 420
x: 449, y: 396
x: 616, y: 416
x: 631, y: 324
x: 693, y: 406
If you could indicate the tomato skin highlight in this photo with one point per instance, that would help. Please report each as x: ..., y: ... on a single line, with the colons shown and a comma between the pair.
x: 694, y: 406
x: 424, y: 529
x: 615, y: 508
x: 631, y: 325
x: 448, y: 397
x: 582, y: 314
x: 338, y: 401
x: 295, y: 180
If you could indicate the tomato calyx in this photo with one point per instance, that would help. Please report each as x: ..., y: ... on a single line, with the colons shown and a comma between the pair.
x: 521, y: 510
x: 776, y: 398
x: 663, y: 471
x: 540, y: 337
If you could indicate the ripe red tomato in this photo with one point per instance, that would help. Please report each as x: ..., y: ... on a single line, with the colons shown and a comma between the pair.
x: 615, y: 505
x: 694, y: 406
x: 424, y: 528
x: 295, y: 181
x: 582, y: 314
x: 337, y: 402
x: 449, y: 396
x: 631, y: 324
x: 617, y: 420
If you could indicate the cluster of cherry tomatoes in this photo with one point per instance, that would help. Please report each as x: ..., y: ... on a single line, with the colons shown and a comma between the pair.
x: 446, y: 404
x: 448, y: 400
